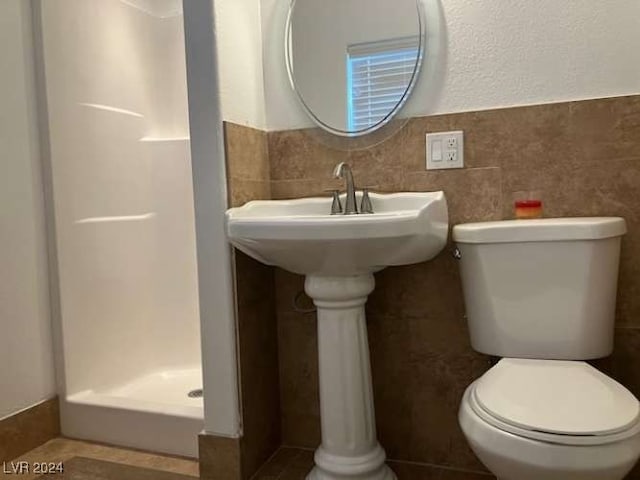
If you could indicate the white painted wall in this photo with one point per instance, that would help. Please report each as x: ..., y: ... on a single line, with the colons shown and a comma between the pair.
x: 217, y: 307
x: 239, y: 49
x: 26, y: 359
x: 121, y: 172
x: 282, y: 108
x: 495, y: 53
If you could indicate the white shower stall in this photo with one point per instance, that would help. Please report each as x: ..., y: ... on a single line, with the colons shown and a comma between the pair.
x: 129, y: 355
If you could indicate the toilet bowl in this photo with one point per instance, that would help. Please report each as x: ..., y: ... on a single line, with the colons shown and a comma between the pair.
x: 542, y: 295
x: 525, y: 421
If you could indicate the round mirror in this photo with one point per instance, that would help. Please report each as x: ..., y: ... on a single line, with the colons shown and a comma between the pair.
x: 354, y: 63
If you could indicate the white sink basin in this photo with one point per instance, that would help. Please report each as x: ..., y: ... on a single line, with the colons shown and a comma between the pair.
x: 303, y: 237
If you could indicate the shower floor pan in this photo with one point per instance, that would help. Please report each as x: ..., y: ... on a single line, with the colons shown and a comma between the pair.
x: 159, y: 412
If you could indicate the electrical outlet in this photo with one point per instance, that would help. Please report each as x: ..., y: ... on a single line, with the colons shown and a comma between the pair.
x: 445, y: 150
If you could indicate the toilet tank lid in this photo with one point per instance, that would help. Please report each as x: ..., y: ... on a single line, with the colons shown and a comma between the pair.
x: 540, y: 230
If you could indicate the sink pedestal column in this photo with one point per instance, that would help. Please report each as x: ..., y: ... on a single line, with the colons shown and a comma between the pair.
x: 350, y: 448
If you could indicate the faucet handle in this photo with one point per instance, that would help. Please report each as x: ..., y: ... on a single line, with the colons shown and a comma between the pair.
x: 336, y: 204
x: 365, y: 204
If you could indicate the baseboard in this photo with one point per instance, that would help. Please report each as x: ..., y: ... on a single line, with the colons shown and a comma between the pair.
x: 219, y: 458
x: 29, y: 429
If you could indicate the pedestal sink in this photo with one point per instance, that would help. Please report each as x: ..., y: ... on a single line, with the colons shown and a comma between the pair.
x: 338, y: 254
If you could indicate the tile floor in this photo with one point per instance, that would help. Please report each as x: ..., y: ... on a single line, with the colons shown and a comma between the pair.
x: 88, y: 461
x: 294, y: 464
x: 74, y: 455
x: 79, y: 468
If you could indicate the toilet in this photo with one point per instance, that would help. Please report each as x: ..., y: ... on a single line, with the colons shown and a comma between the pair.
x: 541, y: 294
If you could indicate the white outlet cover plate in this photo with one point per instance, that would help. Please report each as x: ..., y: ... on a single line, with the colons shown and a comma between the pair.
x: 438, y: 150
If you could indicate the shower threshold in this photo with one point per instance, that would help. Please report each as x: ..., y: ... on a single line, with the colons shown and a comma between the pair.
x: 153, y: 412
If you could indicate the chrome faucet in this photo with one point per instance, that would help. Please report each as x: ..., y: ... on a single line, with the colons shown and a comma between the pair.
x: 343, y: 170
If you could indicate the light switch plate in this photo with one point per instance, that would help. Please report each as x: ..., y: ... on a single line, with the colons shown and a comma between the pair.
x: 445, y: 150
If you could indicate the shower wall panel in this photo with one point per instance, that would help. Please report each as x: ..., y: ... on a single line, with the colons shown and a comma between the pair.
x: 123, y: 200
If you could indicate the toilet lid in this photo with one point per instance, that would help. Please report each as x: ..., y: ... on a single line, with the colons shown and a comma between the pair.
x: 559, y: 397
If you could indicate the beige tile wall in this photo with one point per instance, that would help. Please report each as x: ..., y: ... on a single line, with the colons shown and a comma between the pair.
x: 585, y: 159
x: 247, y: 155
x: 259, y: 376
x: 248, y: 179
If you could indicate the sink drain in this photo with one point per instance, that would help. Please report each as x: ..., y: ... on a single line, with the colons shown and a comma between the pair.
x: 198, y: 393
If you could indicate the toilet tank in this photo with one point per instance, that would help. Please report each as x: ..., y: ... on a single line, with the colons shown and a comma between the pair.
x: 541, y: 288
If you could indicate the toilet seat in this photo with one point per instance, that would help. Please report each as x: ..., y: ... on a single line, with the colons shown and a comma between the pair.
x: 537, y: 399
